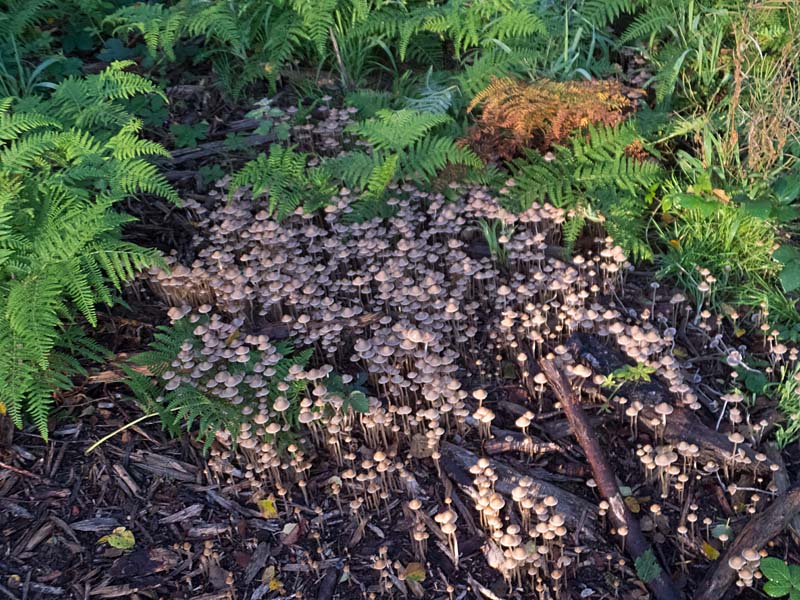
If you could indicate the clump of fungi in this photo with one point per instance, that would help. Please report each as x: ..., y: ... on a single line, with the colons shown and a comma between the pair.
x: 429, y: 319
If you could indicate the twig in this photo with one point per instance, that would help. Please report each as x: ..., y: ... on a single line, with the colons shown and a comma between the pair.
x: 635, y: 542
x: 7, y: 593
x: 24, y: 472
x: 105, y: 438
x: 760, y: 530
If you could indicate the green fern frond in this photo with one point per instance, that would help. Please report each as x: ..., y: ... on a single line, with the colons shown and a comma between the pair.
x: 60, y: 247
x: 656, y: 17
x: 159, y: 25
x: 283, y: 177
x: 595, y: 172
x: 394, y: 130
x: 381, y: 176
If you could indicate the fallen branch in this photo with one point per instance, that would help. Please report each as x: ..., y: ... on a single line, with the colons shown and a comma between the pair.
x: 682, y: 425
x: 211, y: 148
x: 518, y: 442
x: 760, y: 530
x: 456, y: 461
x: 635, y: 543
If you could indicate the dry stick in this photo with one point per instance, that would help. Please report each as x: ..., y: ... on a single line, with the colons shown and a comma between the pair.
x: 635, y: 543
x: 760, y: 530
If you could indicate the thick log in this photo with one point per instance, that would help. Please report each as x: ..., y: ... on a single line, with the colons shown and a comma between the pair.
x: 635, y: 543
x: 760, y: 530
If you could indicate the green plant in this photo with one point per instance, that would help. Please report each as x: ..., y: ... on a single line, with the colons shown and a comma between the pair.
x: 404, y: 145
x: 283, y: 176
x: 185, y: 397
x: 782, y: 579
x: 733, y: 248
x: 627, y: 374
x: 647, y: 567
x: 599, y: 178
x: 492, y: 232
x: 63, y: 169
x: 187, y: 136
x: 245, y: 40
x: 787, y: 393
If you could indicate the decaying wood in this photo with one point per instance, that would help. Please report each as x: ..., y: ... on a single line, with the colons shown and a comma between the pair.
x: 635, y: 543
x: 456, y: 461
x: 781, y: 479
x: 517, y: 442
x: 761, y: 529
x: 682, y: 425
x: 212, y: 148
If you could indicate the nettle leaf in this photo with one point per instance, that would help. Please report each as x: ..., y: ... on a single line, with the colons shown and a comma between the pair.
x: 187, y: 136
x: 777, y: 590
x: 774, y: 569
x: 647, y: 567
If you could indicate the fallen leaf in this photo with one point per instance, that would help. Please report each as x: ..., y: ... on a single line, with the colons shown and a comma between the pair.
x: 290, y: 533
x: 267, y: 507
x: 720, y: 194
x: 415, y: 572
x: 275, y: 584
x: 710, y: 552
x: 268, y: 574
x: 633, y: 504
x: 121, y: 538
x: 140, y: 563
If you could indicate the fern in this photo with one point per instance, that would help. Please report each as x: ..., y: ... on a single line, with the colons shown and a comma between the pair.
x: 245, y: 41
x: 593, y: 175
x: 160, y: 26
x: 192, y: 404
x: 282, y: 175
x: 60, y: 247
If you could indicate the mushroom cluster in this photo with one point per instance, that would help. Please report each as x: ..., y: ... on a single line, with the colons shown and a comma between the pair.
x: 418, y: 315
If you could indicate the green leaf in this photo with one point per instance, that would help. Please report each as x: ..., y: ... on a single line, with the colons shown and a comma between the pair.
x: 721, y: 530
x: 358, y: 401
x: 786, y: 254
x: 694, y: 202
x: 120, y: 538
x: 775, y: 570
x: 647, y: 567
x: 755, y: 381
x: 776, y: 589
x: 187, y: 136
x: 790, y: 276
x: 787, y: 188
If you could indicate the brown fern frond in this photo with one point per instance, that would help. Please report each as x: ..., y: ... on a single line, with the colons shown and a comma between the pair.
x: 517, y: 115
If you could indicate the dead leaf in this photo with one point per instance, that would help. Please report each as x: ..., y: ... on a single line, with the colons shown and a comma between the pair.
x: 140, y: 563
x: 290, y: 534
x: 268, y: 508
x: 415, y: 572
x: 633, y: 504
x: 710, y: 552
x: 721, y: 195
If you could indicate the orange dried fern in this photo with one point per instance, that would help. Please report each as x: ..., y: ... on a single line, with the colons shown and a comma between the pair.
x: 517, y: 115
